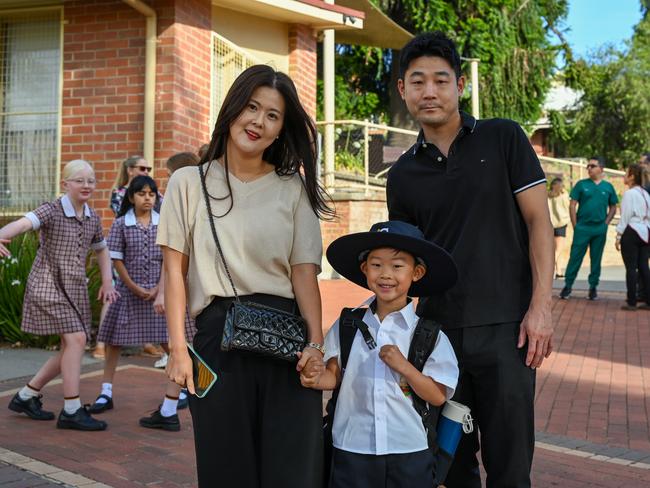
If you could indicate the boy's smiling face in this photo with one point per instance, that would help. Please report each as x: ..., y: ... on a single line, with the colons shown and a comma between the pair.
x: 390, y: 273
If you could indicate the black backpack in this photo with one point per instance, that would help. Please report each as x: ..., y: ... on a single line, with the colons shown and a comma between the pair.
x: 421, y: 347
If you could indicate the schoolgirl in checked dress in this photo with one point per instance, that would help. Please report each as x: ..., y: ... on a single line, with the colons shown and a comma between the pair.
x: 56, y: 296
x: 132, y: 320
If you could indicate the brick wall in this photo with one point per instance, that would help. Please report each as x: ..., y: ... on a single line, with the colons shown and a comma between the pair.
x: 103, y: 83
x: 302, y: 64
x: 183, y: 79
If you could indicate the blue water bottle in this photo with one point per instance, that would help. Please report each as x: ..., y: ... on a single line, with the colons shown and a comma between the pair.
x: 454, y: 420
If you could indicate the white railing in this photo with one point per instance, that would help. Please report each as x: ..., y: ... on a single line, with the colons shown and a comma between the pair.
x: 364, y: 152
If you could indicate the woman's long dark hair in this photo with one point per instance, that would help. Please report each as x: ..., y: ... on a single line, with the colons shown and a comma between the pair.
x: 296, y: 145
x: 136, y: 185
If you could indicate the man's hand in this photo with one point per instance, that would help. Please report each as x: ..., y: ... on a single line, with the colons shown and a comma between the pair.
x: 537, y: 330
x: 393, y: 357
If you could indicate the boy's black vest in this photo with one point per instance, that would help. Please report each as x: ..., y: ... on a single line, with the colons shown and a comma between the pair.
x: 421, y: 347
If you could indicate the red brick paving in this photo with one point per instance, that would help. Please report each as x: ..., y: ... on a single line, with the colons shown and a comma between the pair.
x: 594, y: 388
x: 596, y: 385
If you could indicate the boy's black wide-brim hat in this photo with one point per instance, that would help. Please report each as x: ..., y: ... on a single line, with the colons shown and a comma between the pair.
x: 347, y: 253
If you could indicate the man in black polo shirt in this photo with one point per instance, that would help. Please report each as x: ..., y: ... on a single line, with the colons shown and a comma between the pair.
x: 476, y: 188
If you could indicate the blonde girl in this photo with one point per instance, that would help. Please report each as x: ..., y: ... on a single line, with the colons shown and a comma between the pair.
x: 56, y: 296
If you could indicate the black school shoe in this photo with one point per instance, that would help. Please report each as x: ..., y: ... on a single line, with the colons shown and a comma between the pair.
x: 593, y: 294
x: 32, y: 407
x: 565, y: 293
x: 157, y: 421
x: 80, y: 420
x: 101, y: 407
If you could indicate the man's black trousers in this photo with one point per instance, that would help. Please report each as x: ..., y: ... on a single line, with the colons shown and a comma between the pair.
x: 500, y: 389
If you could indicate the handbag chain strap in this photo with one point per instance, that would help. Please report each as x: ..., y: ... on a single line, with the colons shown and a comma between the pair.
x: 214, y: 231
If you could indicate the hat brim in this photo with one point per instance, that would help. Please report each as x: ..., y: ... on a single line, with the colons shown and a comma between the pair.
x: 343, y: 254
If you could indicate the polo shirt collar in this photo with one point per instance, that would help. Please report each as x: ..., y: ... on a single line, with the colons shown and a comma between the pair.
x: 130, y: 220
x: 468, y: 124
x: 68, y: 208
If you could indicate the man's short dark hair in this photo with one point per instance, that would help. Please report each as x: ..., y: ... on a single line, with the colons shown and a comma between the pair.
x: 429, y: 44
x: 599, y: 159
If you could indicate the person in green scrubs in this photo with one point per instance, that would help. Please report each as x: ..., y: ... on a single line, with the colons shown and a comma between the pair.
x: 596, y: 201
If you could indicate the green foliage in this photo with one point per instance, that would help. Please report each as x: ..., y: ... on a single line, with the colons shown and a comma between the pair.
x: 357, y: 97
x: 511, y: 38
x: 348, y: 162
x: 14, y: 272
x: 612, y: 118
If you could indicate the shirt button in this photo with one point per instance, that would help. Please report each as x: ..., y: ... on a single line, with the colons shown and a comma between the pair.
x: 424, y: 144
x: 439, y: 159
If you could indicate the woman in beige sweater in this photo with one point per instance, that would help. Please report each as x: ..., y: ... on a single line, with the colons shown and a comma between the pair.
x: 558, y: 205
x: 257, y: 426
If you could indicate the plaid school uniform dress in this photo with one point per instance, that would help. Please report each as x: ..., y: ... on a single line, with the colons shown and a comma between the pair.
x: 132, y: 320
x: 56, y: 295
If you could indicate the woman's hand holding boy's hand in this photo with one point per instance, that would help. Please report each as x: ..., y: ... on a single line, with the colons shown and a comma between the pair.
x: 311, y: 373
x: 393, y: 357
x: 308, y: 354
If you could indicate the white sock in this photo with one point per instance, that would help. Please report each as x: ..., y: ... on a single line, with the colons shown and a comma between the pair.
x: 28, y: 392
x: 169, y: 406
x: 71, y: 405
x: 107, y: 389
x: 182, y: 395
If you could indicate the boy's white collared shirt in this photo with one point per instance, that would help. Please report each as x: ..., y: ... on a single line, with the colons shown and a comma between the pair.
x: 373, y: 414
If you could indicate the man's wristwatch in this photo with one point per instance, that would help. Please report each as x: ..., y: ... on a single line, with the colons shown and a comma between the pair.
x: 317, y: 346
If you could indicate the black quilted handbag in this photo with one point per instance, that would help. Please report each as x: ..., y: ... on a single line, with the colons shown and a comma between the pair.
x: 254, y: 327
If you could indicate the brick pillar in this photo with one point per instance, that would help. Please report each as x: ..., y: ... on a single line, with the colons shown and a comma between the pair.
x: 302, y: 64
x: 103, y: 89
x: 183, y: 83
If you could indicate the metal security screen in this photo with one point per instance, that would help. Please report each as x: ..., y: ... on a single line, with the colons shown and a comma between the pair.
x: 30, y: 69
x: 229, y: 60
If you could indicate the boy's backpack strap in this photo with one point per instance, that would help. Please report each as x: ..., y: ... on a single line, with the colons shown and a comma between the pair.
x: 422, y: 345
x: 350, y: 320
x: 423, y: 342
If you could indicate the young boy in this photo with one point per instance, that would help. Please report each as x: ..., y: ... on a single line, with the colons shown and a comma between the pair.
x: 378, y: 436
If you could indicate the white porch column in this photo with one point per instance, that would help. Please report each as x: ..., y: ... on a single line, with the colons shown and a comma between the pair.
x: 328, y: 102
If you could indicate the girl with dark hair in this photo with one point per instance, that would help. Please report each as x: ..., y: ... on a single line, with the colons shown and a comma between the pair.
x: 632, y: 235
x: 131, y: 320
x: 257, y: 426
x: 130, y: 168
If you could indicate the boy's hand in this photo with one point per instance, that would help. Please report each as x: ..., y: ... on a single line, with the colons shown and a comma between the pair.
x: 393, y: 357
